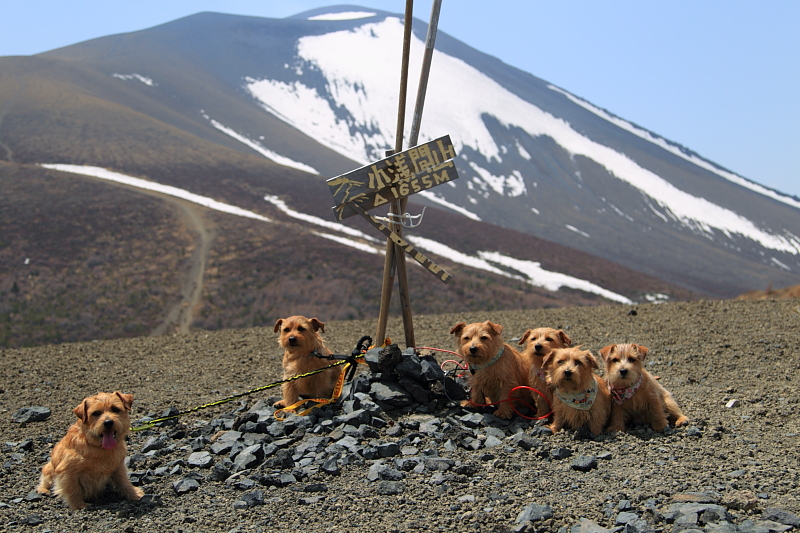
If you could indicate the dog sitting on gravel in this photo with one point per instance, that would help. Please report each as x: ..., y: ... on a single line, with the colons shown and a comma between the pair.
x: 580, y: 397
x: 302, y: 343
x: 635, y: 394
x: 540, y: 343
x: 92, y: 453
x: 495, y: 367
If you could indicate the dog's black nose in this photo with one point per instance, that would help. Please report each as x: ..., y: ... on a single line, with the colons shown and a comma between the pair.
x: 292, y: 340
x: 623, y: 372
x: 108, y: 423
x: 568, y: 373
x: 473, y: 349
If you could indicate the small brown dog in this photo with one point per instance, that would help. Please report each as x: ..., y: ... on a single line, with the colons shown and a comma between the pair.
x: 301, y: 343
x: 580, y: 397
x: 92, y: 453
x: 635, y: 394
x: 541, y: 342
x: 495, y: 367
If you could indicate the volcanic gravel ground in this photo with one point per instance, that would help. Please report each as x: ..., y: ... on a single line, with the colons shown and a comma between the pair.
x: 731, y: 365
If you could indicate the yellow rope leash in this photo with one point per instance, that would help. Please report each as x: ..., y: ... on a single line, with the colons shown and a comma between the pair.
x: 150, y: 423
x: 281, y: 414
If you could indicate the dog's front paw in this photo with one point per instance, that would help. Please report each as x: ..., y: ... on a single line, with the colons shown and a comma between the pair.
x: 465, y: 403
x: 77, y: 505
x: 280, y: 404
x: 659, y: 426
x: 136, y: 494
x: 681, y: 421
x: 596, y: 429
x: 504, y: 412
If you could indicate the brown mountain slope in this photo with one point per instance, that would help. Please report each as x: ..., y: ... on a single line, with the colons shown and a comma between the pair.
x: 106, y: 261
x: 55, y: 109
x: 51, y: 115
x: 80, y: 260
x: 786, y: 292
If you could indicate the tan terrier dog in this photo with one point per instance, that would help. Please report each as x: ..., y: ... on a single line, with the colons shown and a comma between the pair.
x: 92, y: 453
x: 541, y: 342
x: 495, y: 367
x: 301, y: 344
x: 635, y: 394
x: 580, y: 397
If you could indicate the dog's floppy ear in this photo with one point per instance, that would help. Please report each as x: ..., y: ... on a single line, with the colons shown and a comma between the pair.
x: 127, y: 399
x: 641, y: 349
x: 317, y: 325
x: 278, y: 325
x: 548, y: 359
x: 606, y: 351
x: 82, y: 411
x: 590, y: 360
x: 497, y: 328
x: 458, y: 328
x: 525, y: 337
x: 564, y: 338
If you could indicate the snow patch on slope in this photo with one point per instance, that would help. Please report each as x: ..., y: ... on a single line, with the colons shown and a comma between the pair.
x: 344, y: 15
x: 280, y: 204
x: 139, y: 183
x: 552, y: 281
x: 672, y: 148
x: 512, y: 186
x: 144, y: 79
x: 269, y: 154
x: 530, y: 272
x: 361, y: 246
x: 430, y: 195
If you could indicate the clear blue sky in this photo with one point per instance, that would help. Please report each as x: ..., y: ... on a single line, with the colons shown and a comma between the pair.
x: 721, y: 77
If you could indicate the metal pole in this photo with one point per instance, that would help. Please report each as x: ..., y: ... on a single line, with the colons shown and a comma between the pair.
x: 394, y: 256
x: 430, y: 42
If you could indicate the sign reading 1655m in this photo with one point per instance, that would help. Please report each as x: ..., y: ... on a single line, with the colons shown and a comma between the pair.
x: 398, y: 176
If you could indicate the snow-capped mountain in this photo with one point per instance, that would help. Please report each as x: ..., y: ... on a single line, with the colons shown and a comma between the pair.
x: 548, y: 164
x: 317, y: 92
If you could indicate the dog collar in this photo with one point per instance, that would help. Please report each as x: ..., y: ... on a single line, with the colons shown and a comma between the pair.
x: 581, y: 400
x: 620, y: 396
x: 473, y: 368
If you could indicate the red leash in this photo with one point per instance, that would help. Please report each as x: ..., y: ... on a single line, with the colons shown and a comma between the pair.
x: 510, y: 398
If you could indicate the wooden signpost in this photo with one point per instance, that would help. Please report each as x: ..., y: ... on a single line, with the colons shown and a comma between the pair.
x: 398, y: 176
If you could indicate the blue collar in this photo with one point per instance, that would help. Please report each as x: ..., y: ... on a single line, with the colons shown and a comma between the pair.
x: 473, y: 368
